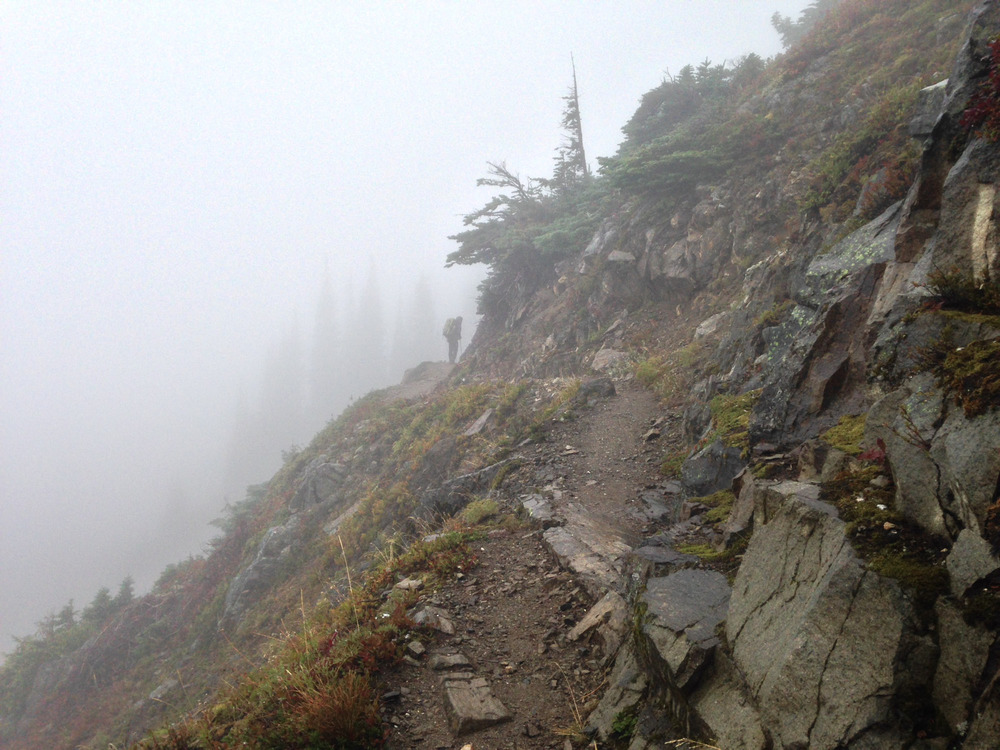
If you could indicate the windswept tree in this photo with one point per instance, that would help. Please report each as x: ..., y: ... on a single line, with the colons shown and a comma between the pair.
x: 533, y: 222
x: 571, y: 158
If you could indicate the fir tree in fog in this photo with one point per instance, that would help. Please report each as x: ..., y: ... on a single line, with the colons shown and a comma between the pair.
x: 281, y: 400
x: 415, y: 337
x: 326, y: 376
x: 365, y: 362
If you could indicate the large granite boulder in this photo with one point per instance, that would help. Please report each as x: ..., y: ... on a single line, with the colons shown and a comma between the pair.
x: 823, y: 643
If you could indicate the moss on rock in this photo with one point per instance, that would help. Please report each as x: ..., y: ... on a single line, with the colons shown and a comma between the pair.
x: 847, y: 434
x: 972, y: 375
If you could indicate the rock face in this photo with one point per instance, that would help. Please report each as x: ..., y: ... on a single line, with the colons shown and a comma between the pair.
x: 711, y: 469
x: 319, y: 484
x: 817, y: 636
x: 275, y: 548
x: 684, y: 609
x: 822, y: 360
x: 456, y: 493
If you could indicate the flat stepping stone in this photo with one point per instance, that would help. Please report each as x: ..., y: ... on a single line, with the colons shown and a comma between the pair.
x: 444, y: 662
x: 471, y: 706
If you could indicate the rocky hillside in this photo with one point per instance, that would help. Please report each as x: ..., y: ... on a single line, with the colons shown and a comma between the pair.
x: 721, y: 467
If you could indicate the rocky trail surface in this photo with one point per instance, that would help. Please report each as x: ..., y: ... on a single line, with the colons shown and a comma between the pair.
x: 519, y: 649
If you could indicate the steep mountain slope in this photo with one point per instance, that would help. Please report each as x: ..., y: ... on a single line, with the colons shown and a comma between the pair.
x: 792, y: 545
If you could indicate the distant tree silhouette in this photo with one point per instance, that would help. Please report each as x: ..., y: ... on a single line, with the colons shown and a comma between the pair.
x: 365, y: 360
x: 125, y: 593
x: 281, y: 399
x: 414, y: 338
x: 571, y: 158
x: 792, y: 32
x: 326, y: 375
x: 100, y: 607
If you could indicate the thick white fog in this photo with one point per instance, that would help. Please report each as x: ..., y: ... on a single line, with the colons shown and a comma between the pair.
x: 188, y: 187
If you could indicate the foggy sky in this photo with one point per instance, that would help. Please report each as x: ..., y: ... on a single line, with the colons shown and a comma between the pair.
x: 177, y: 175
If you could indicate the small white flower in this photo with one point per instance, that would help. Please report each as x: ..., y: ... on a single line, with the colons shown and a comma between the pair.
x: 880, y: 506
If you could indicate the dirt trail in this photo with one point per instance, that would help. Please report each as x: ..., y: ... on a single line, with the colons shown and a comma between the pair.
x: 615, y: 461
x: 513, y: 614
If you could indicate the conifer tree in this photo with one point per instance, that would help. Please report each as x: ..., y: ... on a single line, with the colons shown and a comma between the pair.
x: 571, y: 160
x: 325, y: 376
x: 125, y: 593
x: 100, y: 607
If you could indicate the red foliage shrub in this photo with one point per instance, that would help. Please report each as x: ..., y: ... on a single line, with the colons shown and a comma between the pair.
x: 982, y: 116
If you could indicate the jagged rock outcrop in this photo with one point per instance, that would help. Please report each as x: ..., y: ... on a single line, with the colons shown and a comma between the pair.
x: 275, y: 549
x: 815, y: 361
x: 455, y: 494
x: 320, y: 482
x: 808, y: 649
x: 824, y: 644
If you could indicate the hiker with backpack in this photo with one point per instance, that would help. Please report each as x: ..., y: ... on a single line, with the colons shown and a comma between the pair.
x: 453, y: 333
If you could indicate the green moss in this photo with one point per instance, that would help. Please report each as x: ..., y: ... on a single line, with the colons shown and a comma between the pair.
x: 972, y: 375
x: 648, y: 371
x: 765, y: 470
x: 725, y: 560
x: 884, y: 539
x: 671, y: 464
x: 480, y: 510
x: 847, y: 434
x: 624, y: 723
x: 721, y: 504
x: 503, y: 472
x: 731, y: 418
x: 704, y: 551
x: 923, y: 580
x: 774, y: 314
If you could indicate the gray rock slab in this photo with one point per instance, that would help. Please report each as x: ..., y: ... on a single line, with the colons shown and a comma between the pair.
x: 723, y: 704
x: 684, y: 609
x: 711, y: 469
x: 816, y: 635
x: 626, y: 689
x: 605, y: 358
x: 484, y: 422
x: 664, y: 555
x: 433, y: 617
x: 540, y: 509
x: 964, y: 653
x: 445, y: 662
x: 746, y: 487
x: 590, y: 548
x: 471, y: 706
x: 609, y: 618
x: 970, y: 559
x: 966, y: 452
